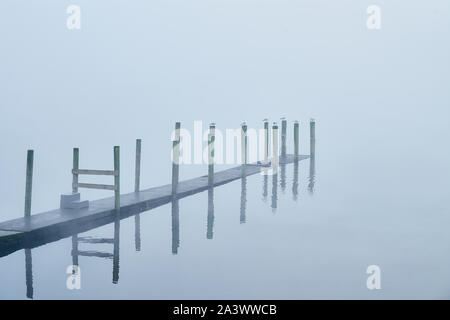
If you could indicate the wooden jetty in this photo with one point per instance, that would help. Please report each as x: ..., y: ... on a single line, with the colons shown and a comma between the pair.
x: 34, y: 230
x: 75, y: 216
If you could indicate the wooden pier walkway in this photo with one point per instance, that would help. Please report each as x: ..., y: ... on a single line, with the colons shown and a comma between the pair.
x: 38, y: 229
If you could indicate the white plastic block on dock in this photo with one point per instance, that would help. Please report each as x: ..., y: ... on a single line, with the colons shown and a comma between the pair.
x: 72, y: 201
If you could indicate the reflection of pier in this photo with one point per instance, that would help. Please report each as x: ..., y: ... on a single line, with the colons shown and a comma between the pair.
x: 312, y: 173
x: 76, y: 252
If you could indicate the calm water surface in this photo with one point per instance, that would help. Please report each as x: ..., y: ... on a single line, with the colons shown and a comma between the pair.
x: 298, y: 234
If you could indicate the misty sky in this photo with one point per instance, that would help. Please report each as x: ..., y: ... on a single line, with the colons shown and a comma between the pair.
x: 380, y: 97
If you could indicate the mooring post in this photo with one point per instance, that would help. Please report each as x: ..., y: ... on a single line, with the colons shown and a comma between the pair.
x: 296, y: 140
x: 175, y: 158
x: 211, y: 139
x: 276, y: 158
x: 312, y: 134
x: 177, y: 131
x: 117, y: 177
x: 266, y: 140
x: 283, y: 137
x: 29, y: 182
x: 75, y: 166
x: 175, y: 165
x: 244, y: 143
x: 137, y: 175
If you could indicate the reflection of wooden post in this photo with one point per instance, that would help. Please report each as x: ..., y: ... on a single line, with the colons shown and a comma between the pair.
x: 175, y: 226
x: 265, y: 189
x: 312, y: 172
x: 210, y: 218
x: 295, y: 182
x: 116, y: 250
x: 296, y: 140
x: 75, y: 250
x: 117, y: 178
x: 29, y: 183
x: 274, y: 192
x: 137, y: 174
x: 243, y: 199
x: 283, y: 137
x: 312, y: 134
x: 76, y: 166
x: 137, y: 232
x: 266, y: 140
x: 29, y: 273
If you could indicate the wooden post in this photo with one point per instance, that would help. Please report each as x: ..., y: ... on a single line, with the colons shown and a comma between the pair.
x: 296, y: 140
x: 244, y: 143
x: 266, y: 140
x: 175, y: 165
x: 312, y: 134
x: 75, y: 166
x: 117, y: 178
x: 177, y: 131
x: 275, y: 157
x: 137, y: 174
x: 29, y: 182
x: 211, y: 139
x: 176, y: 158
x: 283, y: 137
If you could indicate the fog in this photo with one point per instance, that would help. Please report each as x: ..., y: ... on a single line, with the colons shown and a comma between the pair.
x: 380, y: 98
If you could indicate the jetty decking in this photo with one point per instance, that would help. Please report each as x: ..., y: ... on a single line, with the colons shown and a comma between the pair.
x: 34, y: 230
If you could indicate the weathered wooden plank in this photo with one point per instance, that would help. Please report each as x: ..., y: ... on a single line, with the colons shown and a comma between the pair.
x: 95, y: 172
x: 96, y: 186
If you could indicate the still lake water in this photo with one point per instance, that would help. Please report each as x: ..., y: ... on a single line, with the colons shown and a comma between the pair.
x: 294, y: 236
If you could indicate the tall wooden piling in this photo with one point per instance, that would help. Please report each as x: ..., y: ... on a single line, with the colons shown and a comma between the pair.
x: 312, y: 134
x: 176, y: 158
x: 117, y: 178
x: 266, y: 140
x: 211, y: 139
x: 283, y: 137
x: 137, y: 174
x: 296, y: 140
x: 75, y: 166
x: 177, y: 131
x: 275, y: 156
x: 244, y: 143
x: 29, y: 182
